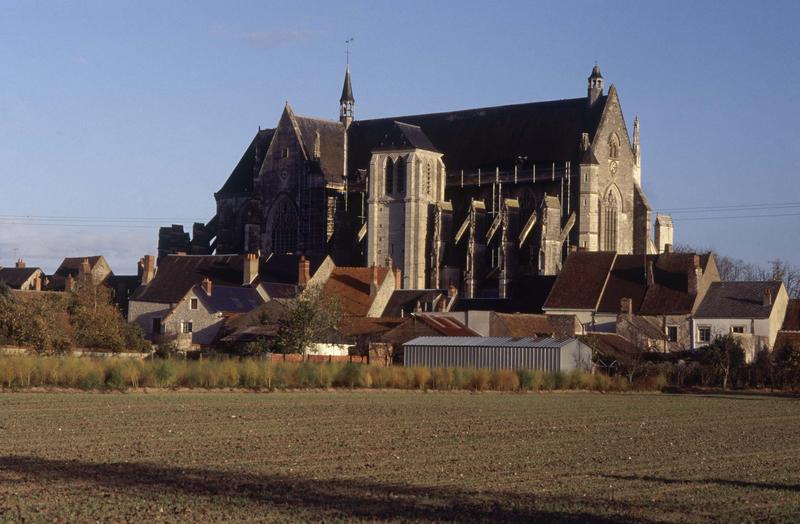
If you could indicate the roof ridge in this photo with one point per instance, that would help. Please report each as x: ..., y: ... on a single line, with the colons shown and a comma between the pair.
x: 473, y: 109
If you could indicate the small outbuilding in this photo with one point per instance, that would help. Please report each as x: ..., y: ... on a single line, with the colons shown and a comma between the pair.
x: 545, y: 354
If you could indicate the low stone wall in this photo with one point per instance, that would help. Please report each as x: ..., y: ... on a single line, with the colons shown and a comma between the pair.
x: 294, y: 357
x: 80, y: 352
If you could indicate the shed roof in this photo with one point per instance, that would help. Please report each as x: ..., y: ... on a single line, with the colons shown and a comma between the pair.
x: 16, y: 277
x: 545, y: 342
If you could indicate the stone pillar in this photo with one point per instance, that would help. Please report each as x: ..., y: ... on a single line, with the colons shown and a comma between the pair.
x: 663, y: 232
x: 551, y: 236
x: 589, y: 207
x: 508, y: 251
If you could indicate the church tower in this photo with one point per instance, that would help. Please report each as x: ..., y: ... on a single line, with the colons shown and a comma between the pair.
x: 595, y: 89
x: 406, y: 184
x: 346, y: 101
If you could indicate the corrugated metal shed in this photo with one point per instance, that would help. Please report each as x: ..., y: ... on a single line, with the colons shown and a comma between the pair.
x: 546, y: 354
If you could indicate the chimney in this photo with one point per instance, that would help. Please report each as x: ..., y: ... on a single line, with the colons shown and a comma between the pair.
x: 651, y: 279
x: 626, y: 307
x: 86, y: 269
x: 207, y: 286
x: 695, y: 273
x: 373, y: 285
x: 69, y: 284
x: 303, y: 271
x: 20, y: 264
x: 398, y: 278
x: 667, y: 248
x: 766, y: 299
x: 37, y: 282
x: 250, y: 270
x: 148, y: 264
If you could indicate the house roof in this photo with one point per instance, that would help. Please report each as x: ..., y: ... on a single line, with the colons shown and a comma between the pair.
x: 581, y: 282
x: 72, y: 265
x: 16, y: 277
x: 791, y: 322
x: 404, y: 301
x: 600, y: 280
x: 787, y: 338
x: 230, y: 299
x: 356, y: 326
x: 609, y: 345
x: 446, y: 325
x: 524, y: 325
x: 351, y: 286
x: 489, y: 137
x: 177, y: 274
x: 738, y: 300
x: 241, y: 178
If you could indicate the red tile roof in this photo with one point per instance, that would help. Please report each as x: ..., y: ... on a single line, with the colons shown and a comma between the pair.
x: 446, y: 325
x: 791, y: 322
x: 522, y: 325
x: 351, y: 286
x: 580, y: 284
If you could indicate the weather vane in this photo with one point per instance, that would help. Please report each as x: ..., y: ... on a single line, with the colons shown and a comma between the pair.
x: 347, y: 43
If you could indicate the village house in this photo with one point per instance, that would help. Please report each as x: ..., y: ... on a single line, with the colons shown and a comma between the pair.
x: 180, y: 298
x: 752, y: 311
x: 21, y: 277
x: 663, y: 290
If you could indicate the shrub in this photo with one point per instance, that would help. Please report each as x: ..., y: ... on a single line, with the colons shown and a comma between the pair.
x: 504, y: 380
x: 480, y: 380
x: 350, y: 375
x: 421, y: 377
x: 441, y: 378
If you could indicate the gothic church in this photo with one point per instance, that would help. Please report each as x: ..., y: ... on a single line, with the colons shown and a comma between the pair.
x: 475, y: 199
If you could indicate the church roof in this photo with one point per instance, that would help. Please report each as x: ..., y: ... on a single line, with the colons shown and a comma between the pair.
x: 347, y: 88
x: 331, y: 142
x: 241, y: 179
x: 404, y: 136
x: 490, y: 137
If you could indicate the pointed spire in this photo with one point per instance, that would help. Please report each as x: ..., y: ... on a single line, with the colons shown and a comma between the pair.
x: 595, y: 72
x: 347, y: 88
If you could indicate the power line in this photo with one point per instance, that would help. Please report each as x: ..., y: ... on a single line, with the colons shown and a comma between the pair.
x: 734, y: 207
x: 688, y: 219
x: 103, y: 219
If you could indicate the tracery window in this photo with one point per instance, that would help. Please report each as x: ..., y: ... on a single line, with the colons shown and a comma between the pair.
x: 284, y: 228
x: 401, y: 175
x: 610, y: 211
x: 389, y: 177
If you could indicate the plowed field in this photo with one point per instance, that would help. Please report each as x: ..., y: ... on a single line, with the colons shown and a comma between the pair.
x: 405, y: 456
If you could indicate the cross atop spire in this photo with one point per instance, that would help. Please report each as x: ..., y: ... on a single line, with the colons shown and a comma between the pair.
x: 347, y: 101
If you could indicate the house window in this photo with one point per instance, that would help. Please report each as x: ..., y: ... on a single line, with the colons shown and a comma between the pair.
x: 737, y: 329
x: 704, y: 334
x: 193, y: 303
x: 672, y: 333
x: 186, y: 327
x: 155, y: 325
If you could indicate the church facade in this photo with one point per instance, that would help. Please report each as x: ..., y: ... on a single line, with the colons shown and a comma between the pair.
x: 474, y: 199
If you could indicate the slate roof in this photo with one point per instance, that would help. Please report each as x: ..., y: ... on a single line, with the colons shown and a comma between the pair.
x: 347, y: 88
x: 737, y: 300
x: 230, y: 299
x: 177, y: 274
x: 791, y: 322
x: 331, y: 142
x: 16, y: 277
x: 351, y: 286
x: 241, y: 178
x: 490, y: 137
x: 405, y: 136
x: 524, y: 325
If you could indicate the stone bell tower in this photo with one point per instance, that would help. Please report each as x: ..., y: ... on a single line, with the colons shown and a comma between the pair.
x: 406, y: 183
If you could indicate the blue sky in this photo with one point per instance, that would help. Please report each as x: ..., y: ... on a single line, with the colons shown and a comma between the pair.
x: 140, y: 110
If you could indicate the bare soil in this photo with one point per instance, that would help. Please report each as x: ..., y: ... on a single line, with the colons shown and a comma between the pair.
x: 398, y: 456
